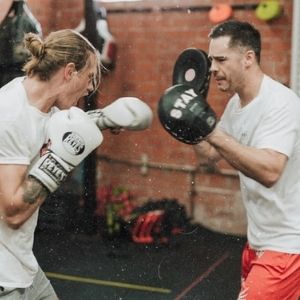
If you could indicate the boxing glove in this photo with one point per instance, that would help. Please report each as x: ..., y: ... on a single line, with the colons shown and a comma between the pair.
x: 72, y: 136
x: 185, y: 114
x: 127, y: 112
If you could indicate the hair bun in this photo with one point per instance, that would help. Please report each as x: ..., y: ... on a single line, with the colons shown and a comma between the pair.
x: 35, y: 45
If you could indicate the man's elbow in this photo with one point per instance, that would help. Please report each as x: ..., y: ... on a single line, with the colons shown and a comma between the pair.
x: 270, y: 179
x: 273, y: 169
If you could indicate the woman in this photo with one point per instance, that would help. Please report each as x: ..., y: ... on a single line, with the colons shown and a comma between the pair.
x: 62, y: 69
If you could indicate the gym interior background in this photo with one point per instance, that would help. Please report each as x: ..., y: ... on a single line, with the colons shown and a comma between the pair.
x: 151, y: 165
x: 150, y: 35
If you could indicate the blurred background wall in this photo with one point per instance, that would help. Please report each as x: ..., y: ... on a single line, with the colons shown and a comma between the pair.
x: 150, y: 35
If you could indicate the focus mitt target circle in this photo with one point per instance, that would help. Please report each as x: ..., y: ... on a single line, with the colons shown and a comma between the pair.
x: 192, y: 68
x: 184, y: 113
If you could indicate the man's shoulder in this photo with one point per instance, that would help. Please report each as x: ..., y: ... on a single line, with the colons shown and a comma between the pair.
x: 280, y: 94
x: 278, y: 87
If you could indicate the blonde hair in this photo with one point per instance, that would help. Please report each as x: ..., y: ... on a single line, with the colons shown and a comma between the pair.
x: 57, y: 50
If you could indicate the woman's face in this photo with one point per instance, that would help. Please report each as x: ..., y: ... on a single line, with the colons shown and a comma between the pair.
x: 80, y: 84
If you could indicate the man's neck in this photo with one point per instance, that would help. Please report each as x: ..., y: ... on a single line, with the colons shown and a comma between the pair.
x: 251, y: 88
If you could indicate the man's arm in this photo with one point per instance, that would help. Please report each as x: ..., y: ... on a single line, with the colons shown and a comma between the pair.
x: 20, y: 196
x: 262, y: 165
x: 207, y: 155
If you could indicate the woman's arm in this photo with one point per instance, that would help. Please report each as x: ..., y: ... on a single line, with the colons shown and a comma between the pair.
x: 20, y: 196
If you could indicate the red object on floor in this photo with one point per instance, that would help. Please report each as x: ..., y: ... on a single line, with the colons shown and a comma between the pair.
x: 145, y: 226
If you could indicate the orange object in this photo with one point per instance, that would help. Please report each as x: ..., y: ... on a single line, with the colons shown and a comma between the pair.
x: 270, y: 275
x: 145, y: 227
x: 220, y: 13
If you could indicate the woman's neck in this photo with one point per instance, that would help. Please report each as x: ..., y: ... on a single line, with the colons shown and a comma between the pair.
x: 41, y: 94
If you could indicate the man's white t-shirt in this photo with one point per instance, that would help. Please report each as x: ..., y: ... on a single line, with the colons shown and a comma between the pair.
x: 270, y: 121
x: 22, y: 135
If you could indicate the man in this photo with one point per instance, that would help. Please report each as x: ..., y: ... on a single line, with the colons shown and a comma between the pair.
x: 43, y: 136
x: 259, y: 135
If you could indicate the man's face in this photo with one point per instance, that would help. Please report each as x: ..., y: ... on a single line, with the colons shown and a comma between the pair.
x: 227, y: 64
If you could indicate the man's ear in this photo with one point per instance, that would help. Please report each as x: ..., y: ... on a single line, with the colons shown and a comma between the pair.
x: 249, y: 58
x: 70, y: 71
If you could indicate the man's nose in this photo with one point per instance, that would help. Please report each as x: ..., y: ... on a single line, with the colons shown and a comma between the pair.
x: 213, y: 67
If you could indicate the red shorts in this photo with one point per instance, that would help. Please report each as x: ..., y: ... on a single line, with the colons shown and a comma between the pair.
x: 269, y: 275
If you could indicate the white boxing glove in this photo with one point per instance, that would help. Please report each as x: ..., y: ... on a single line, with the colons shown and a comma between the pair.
x: 127, y: 112
x: 72, y: 137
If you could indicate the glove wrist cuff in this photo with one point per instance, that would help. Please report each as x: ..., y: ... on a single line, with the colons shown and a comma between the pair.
x: 51, y: 171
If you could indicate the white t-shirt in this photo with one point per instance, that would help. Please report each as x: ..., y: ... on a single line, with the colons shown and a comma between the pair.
x: 270, y: 121
x: 22, y: 134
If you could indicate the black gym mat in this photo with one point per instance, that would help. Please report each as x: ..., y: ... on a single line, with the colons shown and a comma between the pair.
x: 198, y: 264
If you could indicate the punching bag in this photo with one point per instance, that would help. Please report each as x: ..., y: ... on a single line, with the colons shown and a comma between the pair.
x: 95, y: 27
x: 107, y: 43
x: 18, y: 21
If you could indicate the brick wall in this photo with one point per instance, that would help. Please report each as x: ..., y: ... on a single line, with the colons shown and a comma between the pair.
x: 57, y: 14
x: 151, y: 163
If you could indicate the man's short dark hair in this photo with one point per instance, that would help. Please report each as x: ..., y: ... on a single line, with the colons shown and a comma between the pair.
x: 241, y: 34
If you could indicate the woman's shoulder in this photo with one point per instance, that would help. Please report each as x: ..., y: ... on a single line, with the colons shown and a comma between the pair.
x: 12, y: 99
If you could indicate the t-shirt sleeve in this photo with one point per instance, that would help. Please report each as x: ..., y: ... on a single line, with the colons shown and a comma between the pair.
x: 278, y: 129
x: 14, y: 145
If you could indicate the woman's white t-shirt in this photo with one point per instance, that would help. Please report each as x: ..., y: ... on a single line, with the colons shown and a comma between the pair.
x: 22, y: 135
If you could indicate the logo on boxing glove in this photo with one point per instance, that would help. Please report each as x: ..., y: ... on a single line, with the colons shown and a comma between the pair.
x: 211, y: 121
x: 53, y: 169
x: 73, y: 143
x: 182, y: 102
x: 185, y: 114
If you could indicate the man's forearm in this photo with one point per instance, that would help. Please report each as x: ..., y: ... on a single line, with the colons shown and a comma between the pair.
x: 206, y: 153
x: 262, y: 165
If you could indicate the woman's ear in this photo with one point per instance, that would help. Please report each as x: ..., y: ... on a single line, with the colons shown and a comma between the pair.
x: 70, y: 71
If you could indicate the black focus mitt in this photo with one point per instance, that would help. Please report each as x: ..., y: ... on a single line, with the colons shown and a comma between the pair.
x: 185, y: 114
x: 192, y: 67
